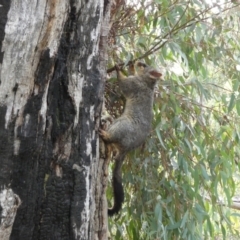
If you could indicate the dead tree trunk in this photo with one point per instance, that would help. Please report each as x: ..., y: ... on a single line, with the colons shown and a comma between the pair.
x: 52, y: 72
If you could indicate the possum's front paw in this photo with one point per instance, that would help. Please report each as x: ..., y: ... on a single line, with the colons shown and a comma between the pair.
x: 104, y: 134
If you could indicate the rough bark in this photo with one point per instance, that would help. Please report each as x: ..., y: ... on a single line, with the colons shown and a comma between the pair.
x: 52, y: 73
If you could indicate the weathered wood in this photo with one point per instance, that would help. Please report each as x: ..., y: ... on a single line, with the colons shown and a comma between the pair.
x: 52, y: 73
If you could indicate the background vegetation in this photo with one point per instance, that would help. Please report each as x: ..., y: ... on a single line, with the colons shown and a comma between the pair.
x: 183, y: 184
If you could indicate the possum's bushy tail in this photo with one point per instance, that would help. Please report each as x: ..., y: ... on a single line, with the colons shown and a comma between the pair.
x: 118, y: 193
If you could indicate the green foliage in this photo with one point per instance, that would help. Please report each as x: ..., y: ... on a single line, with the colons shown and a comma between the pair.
x: 181, y: 184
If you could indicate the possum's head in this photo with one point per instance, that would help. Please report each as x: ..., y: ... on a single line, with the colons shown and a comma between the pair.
x: 147, y: 73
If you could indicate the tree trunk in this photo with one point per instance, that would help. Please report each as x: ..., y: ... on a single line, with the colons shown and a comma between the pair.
x: 52, y: 74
